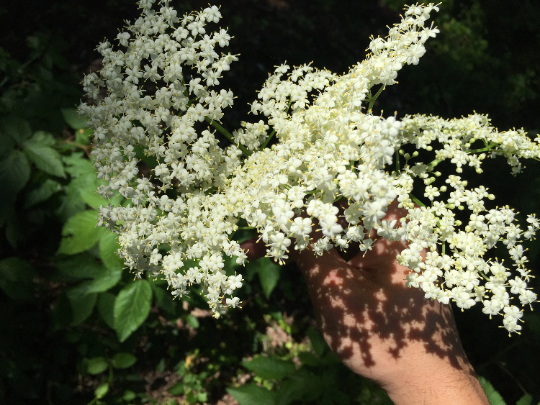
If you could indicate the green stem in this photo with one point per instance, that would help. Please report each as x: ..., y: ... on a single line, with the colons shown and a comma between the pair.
x: 268, y: 139
x: 431, y: 165
x: 397, y: 162
x: 227, y: 135
x: 374, y: 98
x: 273, y: 130
x: 417, y: 201
x: 211, y: 190
x: 487, y: 149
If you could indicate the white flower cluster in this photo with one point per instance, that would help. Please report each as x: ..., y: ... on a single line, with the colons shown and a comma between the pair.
x: 156, y: 90
x: 464, y: 275
x: 183, y: 214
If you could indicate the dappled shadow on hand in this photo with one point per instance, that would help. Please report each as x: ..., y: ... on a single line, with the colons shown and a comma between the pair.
x: 376, y: 325
x: 368, y: 316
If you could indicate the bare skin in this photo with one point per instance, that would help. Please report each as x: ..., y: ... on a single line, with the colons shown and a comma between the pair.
x: 385, y: 331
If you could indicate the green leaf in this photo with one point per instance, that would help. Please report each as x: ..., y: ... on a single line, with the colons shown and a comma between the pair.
x: 6, y: 146
x: 96, y: 365
x: 78, y: 166
x: 82, y: 302
x: 493, y: 396
x: 42, y: 193
x: 105, y: 280
x: 163, y: 298
x: 106, y: 308
x: 317, y: 341
x: 268, y: 272
x: 309, y: 359
x: 129, y: 396
x: 525, y: 400
x: 82, y: 178
x: 177, y: 389
x: 16, y: 128
x: 251, y: 394
x: 270, y: 368
x: 192, y: 321
x: 16, y: 229
x: 83, y: 184
x: 45, y: 158
x: 82, y: 136
x: 131, y: 308
x: 82, y: 265
x: 93, y: 199
x: 43, y: 138
x: 108, y: 247
x: 73, y: 119
x: 16, y: 278
x: 14, y: 174
x: 101, y: 390
x: 15, y: 269
x: 302, y: 385
x: 80, y: 233
x: 123, y: 360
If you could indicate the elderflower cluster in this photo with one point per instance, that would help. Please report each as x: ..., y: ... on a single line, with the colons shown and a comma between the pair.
x: 154, y: 119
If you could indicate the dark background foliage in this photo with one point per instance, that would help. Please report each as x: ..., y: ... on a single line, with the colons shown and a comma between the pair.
x: 485, y: 59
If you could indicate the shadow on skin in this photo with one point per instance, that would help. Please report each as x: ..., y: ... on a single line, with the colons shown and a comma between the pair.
x: 367, y: 315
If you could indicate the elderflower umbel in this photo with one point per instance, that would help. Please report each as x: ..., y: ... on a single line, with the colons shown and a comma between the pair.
x: 158, y: 86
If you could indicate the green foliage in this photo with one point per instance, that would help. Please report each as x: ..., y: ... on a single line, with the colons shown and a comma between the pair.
x: 131, y: 307
x: 39, y: 151
x: 80, y: 233
x: 76, y: 327
x: 312, y: 379
x: 15, y: 277
x: 493, y: 396
x: 252, y: 394
x: 123, y: 360
x: 96, y: 365
x: 270, y: 368
x: 268, y: 272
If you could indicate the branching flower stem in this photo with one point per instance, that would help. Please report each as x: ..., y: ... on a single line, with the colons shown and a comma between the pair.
x: 227, y: 135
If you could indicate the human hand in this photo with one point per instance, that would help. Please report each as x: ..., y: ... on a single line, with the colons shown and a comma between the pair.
x: 382, y: 329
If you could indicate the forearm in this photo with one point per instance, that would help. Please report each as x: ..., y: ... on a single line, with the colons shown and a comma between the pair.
x: 389, y: 333
x: 429, y: 379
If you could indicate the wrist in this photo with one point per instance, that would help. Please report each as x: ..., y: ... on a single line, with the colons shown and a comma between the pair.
x: 437, y: 382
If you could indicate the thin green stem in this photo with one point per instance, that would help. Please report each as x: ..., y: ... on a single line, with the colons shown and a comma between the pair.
x: 431, y: 165
x: 211, y: 190
x: 487, y: 149
x: 268, y: 139
x: 227, y: 135
x: 273, y: 130
x: 374, y: 98
x: 417, y: 201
